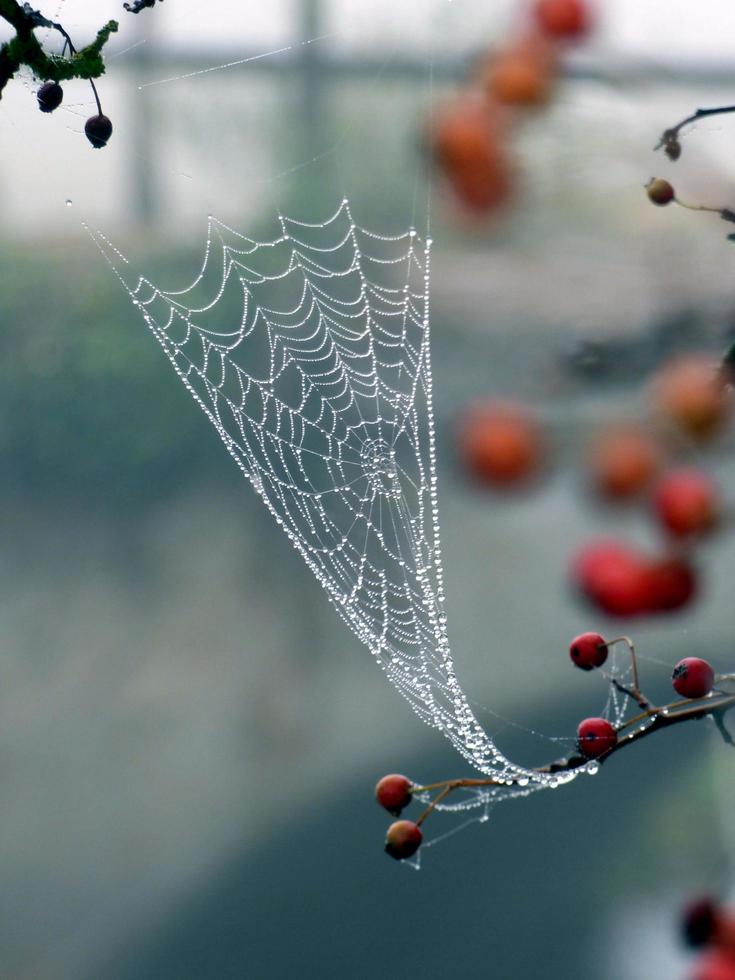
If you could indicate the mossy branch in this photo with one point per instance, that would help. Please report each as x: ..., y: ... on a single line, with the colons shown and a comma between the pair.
x: 26, y: 49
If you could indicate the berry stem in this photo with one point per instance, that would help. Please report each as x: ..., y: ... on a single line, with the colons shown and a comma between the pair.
x: 715, y: 705
x: 670, y: 137
x: 634, y: 691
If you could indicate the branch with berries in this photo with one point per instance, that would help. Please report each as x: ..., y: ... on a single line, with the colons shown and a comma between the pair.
x: 87, y: 63
x: 701, y: 693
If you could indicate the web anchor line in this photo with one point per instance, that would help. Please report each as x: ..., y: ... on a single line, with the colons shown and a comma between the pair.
x: 310, y: 355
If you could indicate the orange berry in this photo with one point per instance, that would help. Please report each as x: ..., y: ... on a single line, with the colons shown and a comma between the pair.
x: 522, y: 75
x: 500, y: 443
x: 467, y: 144
x: 623, y: 461
x: 691, y: 393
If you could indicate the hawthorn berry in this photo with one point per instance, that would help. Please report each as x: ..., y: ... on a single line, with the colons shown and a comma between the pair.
x: 686, y: 502
x: 660, y: 191
x: 699, y: 921
x: 588, y: 650
x: 595, y: 737
x: 622, y: 461
x: 393, y: 792
x: 500, y: 443
x: 672, y: 583
x: 563, y: 18
x: 98, y: 130
x: 693, y: 677
x: 524, y: 74
x: 50, y: 96
x: 403, y: 839
x: 614, y: 577
x: 690, y: 391
x: 719, y: 964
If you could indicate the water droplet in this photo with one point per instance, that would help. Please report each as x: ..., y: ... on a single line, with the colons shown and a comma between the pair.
x: 68, y: 202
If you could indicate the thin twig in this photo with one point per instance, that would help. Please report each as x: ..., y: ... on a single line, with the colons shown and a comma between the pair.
x: 649, y: 721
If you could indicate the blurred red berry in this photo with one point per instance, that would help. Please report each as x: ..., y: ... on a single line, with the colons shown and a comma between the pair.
x: 687, y: 502
x: 623, y: 460
x: 588, y: 650
x: 403, y: 839
x: 393, y: 792
x: 672, y: 584
x: 690, y: 391
x: 614, y: 577
x: 595, y: 736
x: 500, y: 443
x: 718, y: 964
x: 468, y: 145
x: 563, y: 18
x: 693, y: 677
x: 522, y: 74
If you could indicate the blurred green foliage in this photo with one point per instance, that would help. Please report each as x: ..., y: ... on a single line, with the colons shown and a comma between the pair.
x: 89, y: 408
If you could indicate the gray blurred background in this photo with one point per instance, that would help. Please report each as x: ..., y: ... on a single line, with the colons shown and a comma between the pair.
x: 189, y: 737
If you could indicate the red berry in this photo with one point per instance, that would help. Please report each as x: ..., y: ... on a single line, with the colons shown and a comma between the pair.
x: 672, y: 583
x: 693, y: 677
x: 394, y: 793
x: 690, y: 391
x: 614, y: 577
x: 588, y: 650
x: 595, y: 737
x: 716, y: 965
x: 623, y: 461
x: 49, y: 96
x: 687, y: 502
x: 98, y: 130
x: 563, y: 18
x: 403, y: 839
x: 699, y: 921
x: 500, y: 443
x: 660, y: 191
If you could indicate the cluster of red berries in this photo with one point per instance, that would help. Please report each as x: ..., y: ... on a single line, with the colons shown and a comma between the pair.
x: 503, y: 445
x: 692, y: 678
x: 98, y: 128
x: 404, y: 837
x: 706, y: 925
x: 469, y: 139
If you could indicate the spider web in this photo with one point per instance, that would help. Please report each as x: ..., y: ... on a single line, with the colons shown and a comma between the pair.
x: 310, y: 355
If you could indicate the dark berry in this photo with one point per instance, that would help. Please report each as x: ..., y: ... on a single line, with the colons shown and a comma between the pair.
x: 693, y: 677
x: 403, y: 839
x: 672, y: 584
x: 595, y: 737
x: 699, y: 921
x: 660, y: 191
x: 393, y: 793
x: 50, y: 96
x: 588, y: 650
x: 98, y: 130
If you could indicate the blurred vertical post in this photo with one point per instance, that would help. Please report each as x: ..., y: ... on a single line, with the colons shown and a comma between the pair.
x: 311, y: 77
x: 143, y: 170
